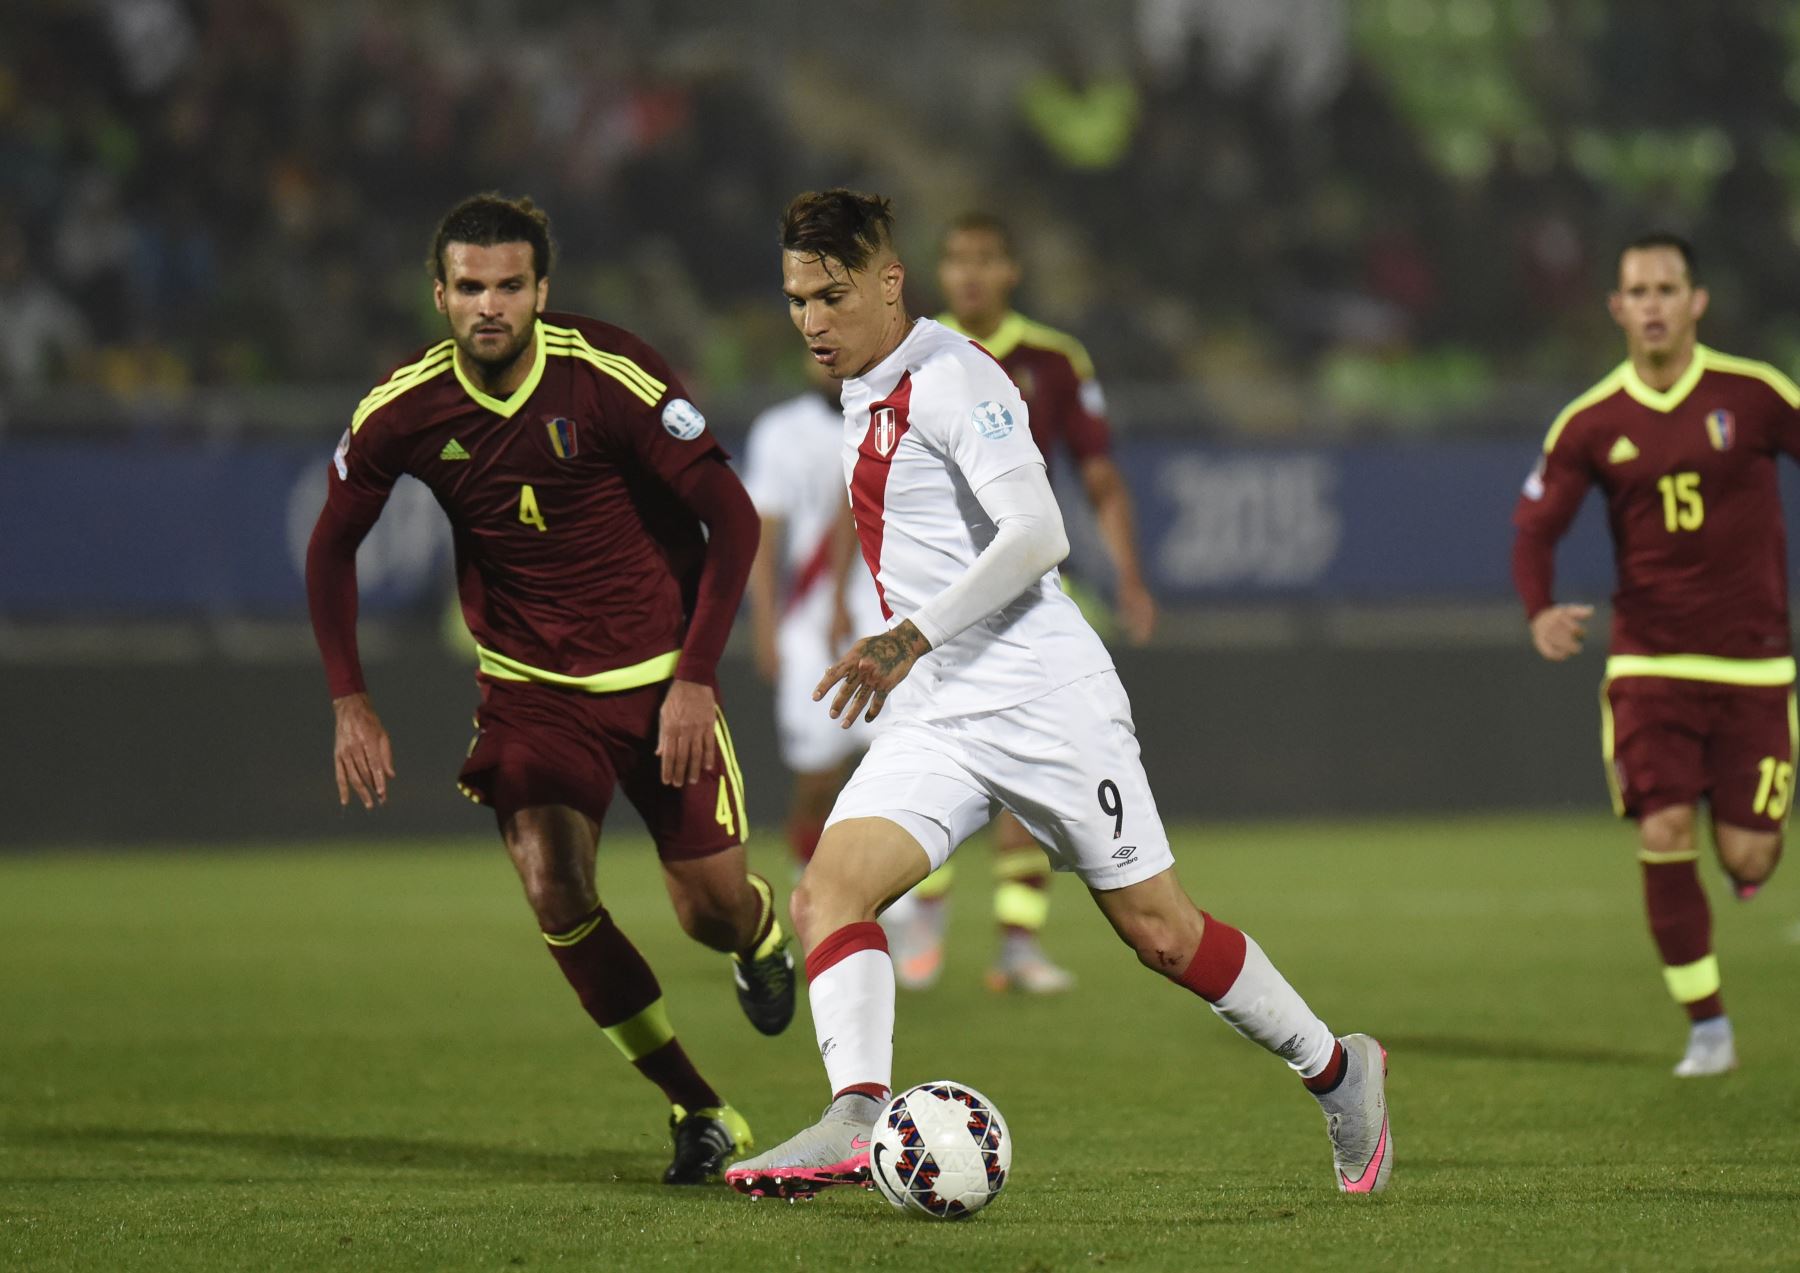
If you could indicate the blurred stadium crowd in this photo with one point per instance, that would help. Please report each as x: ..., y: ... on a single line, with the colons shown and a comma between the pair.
x: 1286, y: 216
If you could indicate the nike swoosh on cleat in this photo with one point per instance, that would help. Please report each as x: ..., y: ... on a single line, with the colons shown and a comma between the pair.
x: 1365, y: 1183
x: 859, y: 1143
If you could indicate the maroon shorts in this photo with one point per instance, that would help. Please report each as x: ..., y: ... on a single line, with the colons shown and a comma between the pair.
x: 1672, y: 742
x: 544, y: 745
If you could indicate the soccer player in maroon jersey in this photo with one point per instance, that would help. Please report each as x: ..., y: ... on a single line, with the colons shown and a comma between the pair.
x: 1698, y: 701
x: 602, y: 544
x: 978, y: 274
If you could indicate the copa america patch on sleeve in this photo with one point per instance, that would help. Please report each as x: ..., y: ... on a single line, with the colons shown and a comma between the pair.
x: 992, y: 419
x: 683, y: 420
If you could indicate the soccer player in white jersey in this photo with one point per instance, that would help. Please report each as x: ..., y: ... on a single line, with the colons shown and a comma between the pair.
x: 794, y: 474
x: 1000, y: 696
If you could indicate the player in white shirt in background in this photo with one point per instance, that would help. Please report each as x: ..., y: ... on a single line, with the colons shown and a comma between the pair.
x: 809, y: 592
x: 1000, y: 696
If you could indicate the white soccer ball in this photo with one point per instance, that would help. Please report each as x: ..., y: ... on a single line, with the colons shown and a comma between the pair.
x: 940, y: 1149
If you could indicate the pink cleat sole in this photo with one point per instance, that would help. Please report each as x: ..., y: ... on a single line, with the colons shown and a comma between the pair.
x: 799, y: 1182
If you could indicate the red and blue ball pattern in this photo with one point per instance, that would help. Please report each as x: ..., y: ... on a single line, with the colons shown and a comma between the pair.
x: 940, y: 1149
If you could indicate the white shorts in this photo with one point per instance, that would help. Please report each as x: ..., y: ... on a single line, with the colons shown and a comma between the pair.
x: 1066, y: 765
x: 810, y: 741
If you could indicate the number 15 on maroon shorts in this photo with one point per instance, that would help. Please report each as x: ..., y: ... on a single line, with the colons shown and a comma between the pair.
x: 1674, y: 742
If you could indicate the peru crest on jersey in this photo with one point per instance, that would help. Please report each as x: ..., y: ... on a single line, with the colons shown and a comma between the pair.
x: 884, y: 432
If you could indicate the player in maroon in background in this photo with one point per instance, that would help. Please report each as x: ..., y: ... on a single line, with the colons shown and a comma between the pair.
x: 602, y: 545
x: 978, y: 274
x: 1698, y: 701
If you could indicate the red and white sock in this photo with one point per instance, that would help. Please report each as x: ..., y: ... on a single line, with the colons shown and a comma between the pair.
x: 850, y: 981
x: 1231, y: 973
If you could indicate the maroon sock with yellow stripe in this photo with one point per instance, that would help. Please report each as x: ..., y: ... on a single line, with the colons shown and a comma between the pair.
x: 1681, y: 924
x: 621, y: 994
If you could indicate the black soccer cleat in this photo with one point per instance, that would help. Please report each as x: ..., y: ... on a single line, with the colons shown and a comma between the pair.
x: 705, y: 1141
x: 765, y: 980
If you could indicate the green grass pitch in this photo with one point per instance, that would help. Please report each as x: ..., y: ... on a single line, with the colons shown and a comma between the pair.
x: 361, y: 1058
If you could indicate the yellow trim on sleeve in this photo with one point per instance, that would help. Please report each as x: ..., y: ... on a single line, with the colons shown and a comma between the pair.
x: 1716, y: 361
x: 568, y: 342
x: 509, y: 406
x: 1605, y: 389
x: 636, y: 676
x: 1703, y: 667
x: 1690, y: 983
x: 406, y: 378
x: 639, y: 1036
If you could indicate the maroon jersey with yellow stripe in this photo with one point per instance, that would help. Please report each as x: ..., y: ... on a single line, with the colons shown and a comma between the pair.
x: 1694, y: 505
x: 1055, y: 376
x: 573, y: 557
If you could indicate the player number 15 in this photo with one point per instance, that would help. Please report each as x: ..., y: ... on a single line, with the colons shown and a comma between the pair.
x: 1683, y: 508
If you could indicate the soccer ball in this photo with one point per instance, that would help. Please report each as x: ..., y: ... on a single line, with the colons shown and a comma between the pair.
x: 940, y: 1149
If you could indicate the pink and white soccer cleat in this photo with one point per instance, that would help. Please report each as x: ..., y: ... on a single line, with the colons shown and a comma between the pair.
x: 833, y: 1151
x: 1356, y: 1117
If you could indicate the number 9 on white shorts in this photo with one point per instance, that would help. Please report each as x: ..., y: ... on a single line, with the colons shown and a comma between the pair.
x: 1065, y: 764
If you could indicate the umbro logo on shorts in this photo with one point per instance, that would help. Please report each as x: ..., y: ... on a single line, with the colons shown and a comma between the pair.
x: 1125, y: 853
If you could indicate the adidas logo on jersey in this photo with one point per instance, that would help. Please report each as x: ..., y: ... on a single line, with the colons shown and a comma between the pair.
x: 453, y: 450
x: 1622, y: 452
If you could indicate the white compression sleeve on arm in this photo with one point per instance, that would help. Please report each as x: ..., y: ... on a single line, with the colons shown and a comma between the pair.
x: 1029, y: 540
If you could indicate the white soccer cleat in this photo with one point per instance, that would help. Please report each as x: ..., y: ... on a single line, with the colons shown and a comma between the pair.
x: 1711, y: 1050
x: 1356, y: 1118
x: 1029, y: 971
x: 833, y: 1151
x: 915, y: 933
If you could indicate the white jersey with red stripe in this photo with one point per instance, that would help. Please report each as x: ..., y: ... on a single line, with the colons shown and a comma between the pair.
x: 923, y: 431
x: 792, y: 472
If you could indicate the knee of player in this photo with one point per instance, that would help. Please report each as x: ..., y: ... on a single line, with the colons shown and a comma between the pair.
x: 1668, y: 830
x: 1750, y: 859
x: 560, y: 911
x: 558, y: 901
x: 802, y: 908
x: 822, y: 903
x: 1162, y: 946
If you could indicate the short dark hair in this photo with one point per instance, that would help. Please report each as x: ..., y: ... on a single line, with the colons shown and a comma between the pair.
x: 979, y: 222
x: 840, y: 225
x: 1664, y: 239
x: 489, y: 218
